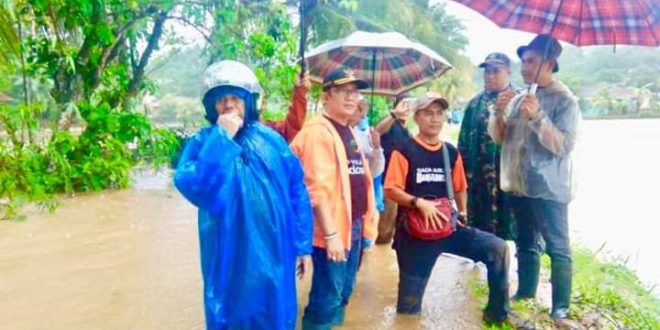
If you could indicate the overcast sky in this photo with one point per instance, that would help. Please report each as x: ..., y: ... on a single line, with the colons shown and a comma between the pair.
x: 486, y: 37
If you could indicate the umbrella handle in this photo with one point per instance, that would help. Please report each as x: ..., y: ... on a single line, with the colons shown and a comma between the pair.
x: 373, y: 77
x: 303, y: 39
x: 532, y: 89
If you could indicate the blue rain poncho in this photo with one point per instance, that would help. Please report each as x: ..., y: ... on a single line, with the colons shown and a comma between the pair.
x: 254, y: 220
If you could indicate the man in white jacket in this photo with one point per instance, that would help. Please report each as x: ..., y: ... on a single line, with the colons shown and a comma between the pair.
x: 538, y: 133
x: 368, y: 138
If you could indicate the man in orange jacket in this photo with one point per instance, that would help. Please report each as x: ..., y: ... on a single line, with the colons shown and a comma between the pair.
x: 341, y: 190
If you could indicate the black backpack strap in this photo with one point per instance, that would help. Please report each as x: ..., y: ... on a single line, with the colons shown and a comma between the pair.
x: 449, y: 181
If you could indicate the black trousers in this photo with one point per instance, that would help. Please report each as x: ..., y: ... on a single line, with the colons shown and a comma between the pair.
x: 416, y: 259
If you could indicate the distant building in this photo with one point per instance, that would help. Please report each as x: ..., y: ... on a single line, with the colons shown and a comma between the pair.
x: 606, y: 98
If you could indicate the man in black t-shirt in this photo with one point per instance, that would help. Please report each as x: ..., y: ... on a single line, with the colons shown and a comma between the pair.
x: 418, y: 177
x: 393, y: 133
x: 341, y: 190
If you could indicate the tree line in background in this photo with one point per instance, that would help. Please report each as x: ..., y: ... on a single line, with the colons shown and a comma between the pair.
x: 620, y: 83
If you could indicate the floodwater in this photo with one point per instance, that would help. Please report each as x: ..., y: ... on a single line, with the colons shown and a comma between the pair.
x: 617, y: 204
x: 115, y: 260
x: 129, y: 259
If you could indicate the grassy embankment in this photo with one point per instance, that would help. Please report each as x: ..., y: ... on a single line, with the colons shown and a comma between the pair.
x: 606, y: 295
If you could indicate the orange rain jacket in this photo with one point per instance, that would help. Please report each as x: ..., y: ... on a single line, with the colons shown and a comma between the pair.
x: 323, y: 156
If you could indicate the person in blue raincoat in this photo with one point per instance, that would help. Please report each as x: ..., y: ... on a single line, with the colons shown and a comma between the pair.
x: 254, y: 213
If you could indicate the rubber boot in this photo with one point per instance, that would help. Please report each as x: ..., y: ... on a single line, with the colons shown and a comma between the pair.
x: 561, y: 278
x: 529, y: 265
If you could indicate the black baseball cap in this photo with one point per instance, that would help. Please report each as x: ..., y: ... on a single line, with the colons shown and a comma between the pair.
x: 340, y: 77
x: 496, y: 59
x: 538, y: 45
x: 401, y: 97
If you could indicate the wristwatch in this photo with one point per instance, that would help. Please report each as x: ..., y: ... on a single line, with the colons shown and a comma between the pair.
x: 462, y: 216
x: 392, y: 114
x: 413, y: 202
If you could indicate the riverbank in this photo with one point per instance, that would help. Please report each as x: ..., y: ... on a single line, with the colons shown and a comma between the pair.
x: 606, y: 295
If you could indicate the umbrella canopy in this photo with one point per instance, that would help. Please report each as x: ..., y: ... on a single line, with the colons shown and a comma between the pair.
x: 579, y: 22
x: 390, y: 61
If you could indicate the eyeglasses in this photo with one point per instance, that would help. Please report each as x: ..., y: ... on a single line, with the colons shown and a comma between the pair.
x: 345, y: 92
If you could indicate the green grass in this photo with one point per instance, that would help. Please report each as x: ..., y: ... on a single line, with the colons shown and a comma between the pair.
x: 606, y: 295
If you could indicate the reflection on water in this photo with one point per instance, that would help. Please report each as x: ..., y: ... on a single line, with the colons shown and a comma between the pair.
x: 129, y: 259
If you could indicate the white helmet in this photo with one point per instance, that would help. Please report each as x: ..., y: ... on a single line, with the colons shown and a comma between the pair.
x: 230, y: 73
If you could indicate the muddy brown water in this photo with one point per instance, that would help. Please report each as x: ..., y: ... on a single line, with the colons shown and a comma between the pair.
x: 130, y: 260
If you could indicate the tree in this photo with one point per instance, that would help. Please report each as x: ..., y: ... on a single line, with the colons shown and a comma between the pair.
x: 89, y: 46
x: 261, y: 35
x: 92, y: 56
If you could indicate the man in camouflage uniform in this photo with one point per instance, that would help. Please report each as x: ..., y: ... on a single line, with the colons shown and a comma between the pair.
x: 489, y: 207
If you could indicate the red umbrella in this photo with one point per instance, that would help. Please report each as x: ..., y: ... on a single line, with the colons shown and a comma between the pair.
x: 579, y: 22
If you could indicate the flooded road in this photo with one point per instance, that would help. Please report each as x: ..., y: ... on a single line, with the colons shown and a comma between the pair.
x: 130, y: 259
x: 117, y: 260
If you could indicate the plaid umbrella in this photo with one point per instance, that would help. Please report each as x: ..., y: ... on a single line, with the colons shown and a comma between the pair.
x: 579, y: 22
x: 393, y: 63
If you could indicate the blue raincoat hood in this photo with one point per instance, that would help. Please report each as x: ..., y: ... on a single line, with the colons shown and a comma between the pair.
x: 250, y: 99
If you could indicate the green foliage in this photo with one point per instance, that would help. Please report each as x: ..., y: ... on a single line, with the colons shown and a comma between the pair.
x: 381, y: 107
x: 630, y: 66
x: 614, y: 291
x: 82, y: 61
x: 172, y: 110
x: 606, y: 295
x: 99, y: 158
x: 260, y: 34
x: 9, y: 39
x: 456, y: 85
